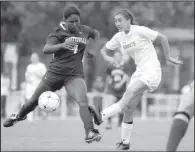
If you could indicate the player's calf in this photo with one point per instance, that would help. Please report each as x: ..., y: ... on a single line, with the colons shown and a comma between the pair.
x: 178, y: 130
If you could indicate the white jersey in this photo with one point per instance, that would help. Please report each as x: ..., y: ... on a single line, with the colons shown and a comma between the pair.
x: 138, y: 45
x: 33, y: 75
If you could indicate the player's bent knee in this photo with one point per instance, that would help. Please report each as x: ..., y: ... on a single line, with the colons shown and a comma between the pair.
x: 83, y: 101
x: 182, y: 115
x: 83, y: 104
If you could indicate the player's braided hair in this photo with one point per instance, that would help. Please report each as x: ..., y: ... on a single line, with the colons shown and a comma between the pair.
x: 71, y: 9
x: 128, y: 15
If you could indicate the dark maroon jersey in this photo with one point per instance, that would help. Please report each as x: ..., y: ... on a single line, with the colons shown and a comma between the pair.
x: 65, y: 61
x: 116, y: 74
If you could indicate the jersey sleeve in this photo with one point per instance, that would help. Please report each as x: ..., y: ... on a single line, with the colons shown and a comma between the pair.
x: 54, y: 37
x: 147, y: 32
x: 90, y: 32
x: 113, y: 44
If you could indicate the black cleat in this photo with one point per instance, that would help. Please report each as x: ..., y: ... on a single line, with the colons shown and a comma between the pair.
x: 96, y: 115
x: 93, y: 135
x: 122, y: 146
x: 11, y: 120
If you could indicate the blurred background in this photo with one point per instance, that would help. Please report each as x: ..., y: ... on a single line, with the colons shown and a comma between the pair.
x: 25, y: 26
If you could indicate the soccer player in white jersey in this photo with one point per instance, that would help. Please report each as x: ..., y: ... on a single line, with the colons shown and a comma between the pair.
x: 182, y: 117
x: 136, y: 42
x: 34, y: 72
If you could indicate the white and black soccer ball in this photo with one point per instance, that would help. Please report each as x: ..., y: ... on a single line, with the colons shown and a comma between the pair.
x: 49, y: 101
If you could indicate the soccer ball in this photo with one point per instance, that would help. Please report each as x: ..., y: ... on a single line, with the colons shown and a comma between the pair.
x: 49, y: 101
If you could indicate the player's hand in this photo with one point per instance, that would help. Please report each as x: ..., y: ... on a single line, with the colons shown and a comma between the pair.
x: 174, y: 60
x: 69, y: 44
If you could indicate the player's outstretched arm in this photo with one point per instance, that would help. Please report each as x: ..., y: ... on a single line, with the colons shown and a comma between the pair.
x: 106, y: 57
x: 166, y: 48
x: 50, y: 49
x: 52, y: 45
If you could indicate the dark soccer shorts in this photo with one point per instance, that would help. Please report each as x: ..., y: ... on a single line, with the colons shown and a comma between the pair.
x: 56, y: 81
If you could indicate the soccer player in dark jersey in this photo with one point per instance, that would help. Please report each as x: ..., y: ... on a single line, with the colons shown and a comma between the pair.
x: 116, y: 85
x: 67, y: 43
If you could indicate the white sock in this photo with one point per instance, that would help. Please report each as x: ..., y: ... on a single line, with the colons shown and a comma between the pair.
x: 111, y: 111
x: 126, y: 130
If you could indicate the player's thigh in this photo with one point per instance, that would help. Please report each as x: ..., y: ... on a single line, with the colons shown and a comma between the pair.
x: 133, y: 92
x: 42, y: 87
x: 150, y: 77
x: 187, y: 103
x: 77, y: 90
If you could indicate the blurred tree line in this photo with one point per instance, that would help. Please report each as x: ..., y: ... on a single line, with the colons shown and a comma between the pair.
x: 29, y: 23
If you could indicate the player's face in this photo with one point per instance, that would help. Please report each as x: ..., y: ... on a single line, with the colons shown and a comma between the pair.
x: 121, y: 22
x: 72, y: 22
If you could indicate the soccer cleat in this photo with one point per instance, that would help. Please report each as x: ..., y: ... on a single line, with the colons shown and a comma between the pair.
x: 11, y: 120
x: 96, y: 115
x: 93, y: 135
x: 122, y: 146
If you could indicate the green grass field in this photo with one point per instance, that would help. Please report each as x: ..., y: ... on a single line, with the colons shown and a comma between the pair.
x: 62, y: 135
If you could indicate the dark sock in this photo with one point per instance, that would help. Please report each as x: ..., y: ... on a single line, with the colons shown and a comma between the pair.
x: 26, y: 108
x: 178, y: 130
x: 86, y: 117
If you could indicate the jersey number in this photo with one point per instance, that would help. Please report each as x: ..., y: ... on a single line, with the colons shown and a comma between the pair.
x: 75, y: 49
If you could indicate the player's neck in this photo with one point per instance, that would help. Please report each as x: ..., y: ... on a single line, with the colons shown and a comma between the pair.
x: 127, y: 30
x: 35, y: 62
